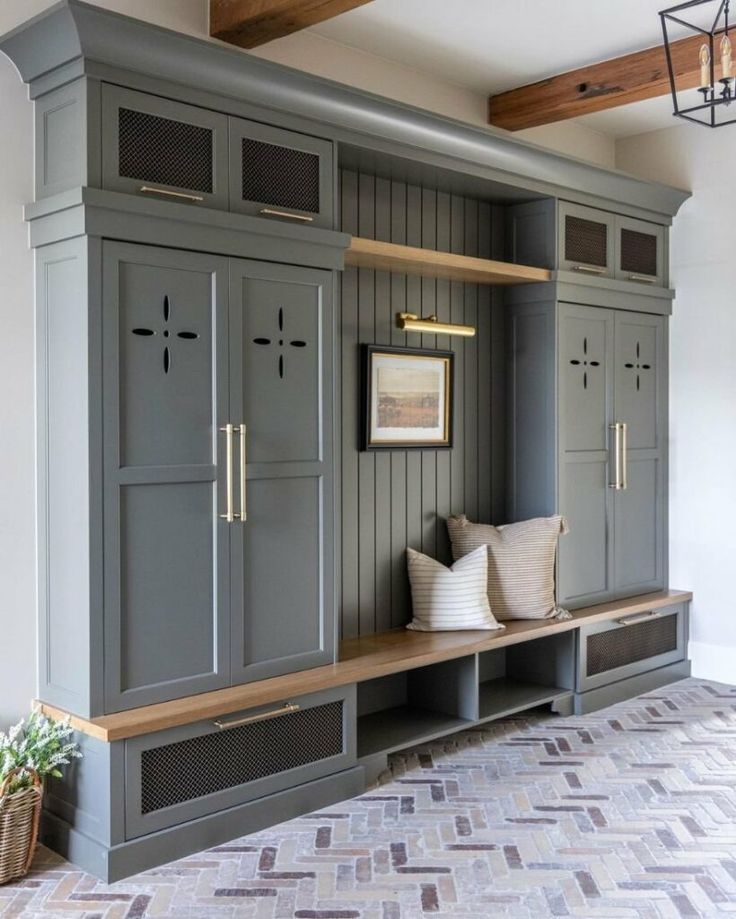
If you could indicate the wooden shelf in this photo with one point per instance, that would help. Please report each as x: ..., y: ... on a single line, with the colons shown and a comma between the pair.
x: 505, y: 696
x: 405, y: 726
x: 360, y: 659
x: 370, y: 253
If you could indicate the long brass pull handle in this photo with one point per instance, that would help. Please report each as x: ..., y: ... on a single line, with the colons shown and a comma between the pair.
x: 243, y: 496
x: 616, y: 428
x: 229, y: 514
x: 643, y: 278
x: 262, y: 716
x: 624, y: 456
x: 149, y: 190
x: 589, y: 269
x: 641, y: 617
x: 270, y: 212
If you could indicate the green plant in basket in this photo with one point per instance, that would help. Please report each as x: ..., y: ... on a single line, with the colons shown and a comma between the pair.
x: 36, y: 744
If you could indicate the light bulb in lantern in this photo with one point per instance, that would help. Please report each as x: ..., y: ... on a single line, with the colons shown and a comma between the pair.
x: 704, y: 66
x: 726, y: 58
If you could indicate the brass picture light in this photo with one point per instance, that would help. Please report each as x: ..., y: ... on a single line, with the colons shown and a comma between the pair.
x: 410, y: 322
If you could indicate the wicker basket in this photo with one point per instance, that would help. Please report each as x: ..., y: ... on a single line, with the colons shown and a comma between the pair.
x: 20, y: 813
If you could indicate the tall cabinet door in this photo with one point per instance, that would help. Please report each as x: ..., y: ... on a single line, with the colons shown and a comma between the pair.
x: 283, y: 598
x: 640, y: 404
x: 585, y: 378
x: 166, y: 566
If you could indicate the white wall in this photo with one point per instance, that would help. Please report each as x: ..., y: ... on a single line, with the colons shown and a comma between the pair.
x: 703, y: 379
x: 309, y: 52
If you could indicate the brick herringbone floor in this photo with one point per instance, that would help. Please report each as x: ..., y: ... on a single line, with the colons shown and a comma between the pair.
x: 630, y: 812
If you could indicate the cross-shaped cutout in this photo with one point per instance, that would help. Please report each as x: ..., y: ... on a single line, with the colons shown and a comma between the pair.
x: 638, y: 366
x: 585, y: 363
x: 166, y: 333
x: 281, y: 343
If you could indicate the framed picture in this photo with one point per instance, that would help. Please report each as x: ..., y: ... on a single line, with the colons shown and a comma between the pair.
x: 407, y: 398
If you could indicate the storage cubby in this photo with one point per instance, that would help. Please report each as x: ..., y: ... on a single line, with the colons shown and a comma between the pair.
x: 526, y: 675
x: 403, y: 709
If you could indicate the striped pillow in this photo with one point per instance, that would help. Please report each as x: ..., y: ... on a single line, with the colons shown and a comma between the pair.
x: 521, y: 564
x: 450, y: 598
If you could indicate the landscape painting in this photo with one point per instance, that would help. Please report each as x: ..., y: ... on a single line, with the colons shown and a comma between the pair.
x: 407, y: 396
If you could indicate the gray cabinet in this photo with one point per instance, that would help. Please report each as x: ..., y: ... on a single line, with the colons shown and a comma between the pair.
x: 165, y: 390
x: 214, y: 541
x: 282, y: 175
x: 586, y: 240
x: 281, y: 337
x: 588, y: 418
x: 164, y: 149
x: 640, y: 251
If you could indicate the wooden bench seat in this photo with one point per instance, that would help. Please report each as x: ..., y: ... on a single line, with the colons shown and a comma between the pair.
x: 361, y: 659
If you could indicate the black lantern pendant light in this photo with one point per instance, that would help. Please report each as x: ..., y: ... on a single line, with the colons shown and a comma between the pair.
x: 699, y: 29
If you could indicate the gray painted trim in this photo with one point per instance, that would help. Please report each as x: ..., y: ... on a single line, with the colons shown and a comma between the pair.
x: 73, y: 29
x: 566, y: 287
x: 596, y: 699
x: 130, y: 218
x: 117, y: 862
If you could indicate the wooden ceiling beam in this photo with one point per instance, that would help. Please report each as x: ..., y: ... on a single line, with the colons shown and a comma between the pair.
x: 249, y: 23
x: 631, y: 78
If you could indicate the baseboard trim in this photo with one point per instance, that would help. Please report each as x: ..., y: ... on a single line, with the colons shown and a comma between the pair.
x: 713, y: 662
x: 121, y: 861
x: 596, y: 699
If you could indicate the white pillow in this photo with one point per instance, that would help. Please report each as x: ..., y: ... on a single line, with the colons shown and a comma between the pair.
x: 521, y: 563
x: 446, y: 599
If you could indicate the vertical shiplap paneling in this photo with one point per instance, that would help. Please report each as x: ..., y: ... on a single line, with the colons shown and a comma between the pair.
x: 349, y: 434
x: 401, y: 498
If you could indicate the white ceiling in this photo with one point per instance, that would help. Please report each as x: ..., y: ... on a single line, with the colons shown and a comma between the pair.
x: 493, y: 45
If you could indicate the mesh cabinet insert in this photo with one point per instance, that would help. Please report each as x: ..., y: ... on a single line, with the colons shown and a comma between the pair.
x: 638, y: 252
x: 164, y: 151
x: 629, y: 644
x: 204, y: 765
x: 586, y: 241
x: 280, y: 176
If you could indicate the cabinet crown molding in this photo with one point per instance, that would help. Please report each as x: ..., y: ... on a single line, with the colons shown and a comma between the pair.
x: 73, y: 32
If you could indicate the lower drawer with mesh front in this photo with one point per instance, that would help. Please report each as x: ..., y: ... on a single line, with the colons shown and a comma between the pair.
x: 183, y: 773
x: 612, y: 651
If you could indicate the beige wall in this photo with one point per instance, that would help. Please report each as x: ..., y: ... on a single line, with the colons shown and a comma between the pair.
x: 703, y: 379
x: 17, y: 495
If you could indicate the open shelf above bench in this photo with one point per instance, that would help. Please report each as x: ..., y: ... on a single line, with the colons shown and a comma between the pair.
x: 371, y: 253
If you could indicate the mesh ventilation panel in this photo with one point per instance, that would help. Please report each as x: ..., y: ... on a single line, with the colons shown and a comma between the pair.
x: 638, y: 252
x: 165, y: 152
x: 204, y: 765
x: 618, y: 647
x: 586, y: 241
x: 280, y: 176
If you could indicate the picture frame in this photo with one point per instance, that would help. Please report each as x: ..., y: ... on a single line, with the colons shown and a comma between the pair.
x: 407, y: 398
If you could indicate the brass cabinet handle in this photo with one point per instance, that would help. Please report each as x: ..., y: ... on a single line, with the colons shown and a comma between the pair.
x: 589, y: 269
x: 270, y: 212
x: 624, y: 456
x: 643, y: 278
x: 149, y: 190
x: 229, y: 514
x: 262, y: 716
x: 616, y: 428
x: 640, y: 617
x: 243, y: 497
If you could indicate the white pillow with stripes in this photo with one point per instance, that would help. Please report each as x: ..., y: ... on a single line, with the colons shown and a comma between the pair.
x: 521, y: 563
x: 447, y: 599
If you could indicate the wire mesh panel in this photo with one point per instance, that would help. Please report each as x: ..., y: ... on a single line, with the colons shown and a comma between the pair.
x: 164, y: 151
x: 638, y: 252
x: 586, y: 241
x: 204, y: 765
x: 629, y: 644
x: 280, y: 176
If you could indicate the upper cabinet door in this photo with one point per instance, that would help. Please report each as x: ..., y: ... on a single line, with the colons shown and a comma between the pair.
x: 166, y: 568
x: 282, y: 175
x: 163, y: 149
x: 585, y: 572
x: 283, y: 596
x: 640, y: 251
x: 586, y: 239
x: 640, y: 404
